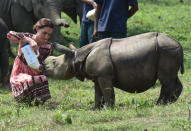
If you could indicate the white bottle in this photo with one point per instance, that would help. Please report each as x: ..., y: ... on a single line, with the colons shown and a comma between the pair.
x: 30, y: 56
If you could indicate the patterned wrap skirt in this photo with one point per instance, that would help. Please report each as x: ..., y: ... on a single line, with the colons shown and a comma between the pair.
x: 37, y: 92
x: 28, y: 85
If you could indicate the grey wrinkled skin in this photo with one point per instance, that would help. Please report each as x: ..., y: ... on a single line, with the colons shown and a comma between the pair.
x: 4, y: 58
x: 21, y: 15
x: 131, y: 64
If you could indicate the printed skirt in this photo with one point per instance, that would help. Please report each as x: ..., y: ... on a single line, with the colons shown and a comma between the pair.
x: 34, y: 90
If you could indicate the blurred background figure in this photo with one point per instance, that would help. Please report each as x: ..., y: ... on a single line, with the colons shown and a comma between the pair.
x: 87, y: 25
x: 111, y: 17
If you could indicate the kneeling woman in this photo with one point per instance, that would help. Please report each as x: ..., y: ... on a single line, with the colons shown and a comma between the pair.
x: 28, y: 84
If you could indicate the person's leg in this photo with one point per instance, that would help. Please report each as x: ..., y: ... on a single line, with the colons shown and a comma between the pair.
x: 103, y: 35
x: 115, y: 35
x: 90, y: 32
x: 118, y: 35
x: 83, y: 34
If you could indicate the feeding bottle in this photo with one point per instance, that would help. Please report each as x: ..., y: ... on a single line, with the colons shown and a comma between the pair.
x: 30, y: 57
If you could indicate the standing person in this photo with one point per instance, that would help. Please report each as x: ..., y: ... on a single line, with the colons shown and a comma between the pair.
x: 111, y: 17
x: 87, y: 25
x: 28, y: 84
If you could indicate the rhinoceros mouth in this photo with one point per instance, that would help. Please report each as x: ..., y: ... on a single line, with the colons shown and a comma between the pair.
x: 43, y: 68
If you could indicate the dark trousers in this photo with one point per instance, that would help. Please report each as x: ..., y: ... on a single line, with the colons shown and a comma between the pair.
x: 86, y: 34
x: 116, y: 35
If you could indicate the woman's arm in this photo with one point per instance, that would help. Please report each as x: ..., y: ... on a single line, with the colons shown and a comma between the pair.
x: 90, y: 2
x: 134, y: 8
x: 14, y: 37
x: 20, y: 38
x: 97, y: 15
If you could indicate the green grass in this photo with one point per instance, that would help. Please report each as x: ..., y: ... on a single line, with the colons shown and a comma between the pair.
x: 72, y: 100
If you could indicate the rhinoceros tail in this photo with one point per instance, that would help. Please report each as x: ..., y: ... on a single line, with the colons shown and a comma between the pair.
x: 182, y: 68
x: 182, y: 65
x: 182, y: 60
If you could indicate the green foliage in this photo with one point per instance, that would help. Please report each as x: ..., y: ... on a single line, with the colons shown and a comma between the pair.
x: 72, y: 33
x: 62, y: 118
x: 70, y: 107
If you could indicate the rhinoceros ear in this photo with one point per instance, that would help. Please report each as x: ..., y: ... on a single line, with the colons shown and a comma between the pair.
x: 63, y: 49
x: 27, y: 4
x: 71, y: 46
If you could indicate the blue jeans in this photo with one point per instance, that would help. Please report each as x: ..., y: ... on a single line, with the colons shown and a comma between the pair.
x: 86, y: 34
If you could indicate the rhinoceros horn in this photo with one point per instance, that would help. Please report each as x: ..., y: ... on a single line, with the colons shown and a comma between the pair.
x: 63, y: 49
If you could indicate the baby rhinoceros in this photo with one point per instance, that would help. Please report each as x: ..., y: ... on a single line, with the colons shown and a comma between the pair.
x: 131, y: 64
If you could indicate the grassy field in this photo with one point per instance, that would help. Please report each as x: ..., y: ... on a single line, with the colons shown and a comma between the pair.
x: 72, y: 100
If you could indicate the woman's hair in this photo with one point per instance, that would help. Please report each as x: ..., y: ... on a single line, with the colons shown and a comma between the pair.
x: 43, y: 22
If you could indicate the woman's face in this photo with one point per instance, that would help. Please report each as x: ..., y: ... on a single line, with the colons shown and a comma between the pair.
x: 43, y: 34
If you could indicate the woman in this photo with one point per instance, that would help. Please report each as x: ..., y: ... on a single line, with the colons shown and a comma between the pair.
x: 30, y: 85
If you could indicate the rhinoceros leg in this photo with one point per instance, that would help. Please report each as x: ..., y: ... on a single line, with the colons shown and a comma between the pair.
x: 171, y: 90
x: 170, y: 60
x: 99, y: 100
x: 107, y: 90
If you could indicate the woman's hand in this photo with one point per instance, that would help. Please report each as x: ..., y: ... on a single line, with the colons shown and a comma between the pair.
x: 32, y: 43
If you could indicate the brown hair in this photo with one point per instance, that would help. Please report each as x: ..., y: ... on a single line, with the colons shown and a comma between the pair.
x: 43, y: 22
